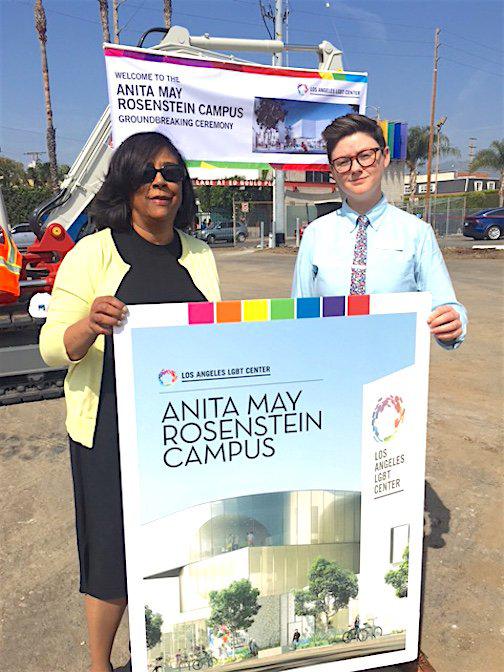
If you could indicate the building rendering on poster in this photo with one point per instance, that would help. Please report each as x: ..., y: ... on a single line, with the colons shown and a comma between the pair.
x: 272, y: 457
x: 228, y: 112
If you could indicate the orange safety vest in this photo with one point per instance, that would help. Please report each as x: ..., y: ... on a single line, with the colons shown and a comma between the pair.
x: 10, y: 267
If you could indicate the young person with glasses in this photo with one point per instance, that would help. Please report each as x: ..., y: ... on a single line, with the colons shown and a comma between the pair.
x: 369, y: 246
x: 140, y: 255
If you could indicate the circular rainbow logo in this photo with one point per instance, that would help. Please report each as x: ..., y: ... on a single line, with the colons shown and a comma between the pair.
x: 302, y: 89
x: 167, y: 377
x: 388, y: 416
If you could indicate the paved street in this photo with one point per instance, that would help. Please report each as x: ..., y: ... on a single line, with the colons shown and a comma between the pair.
x: 42, y: 627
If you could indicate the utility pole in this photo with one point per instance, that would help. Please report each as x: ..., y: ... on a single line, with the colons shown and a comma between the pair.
x: 427, y: 211
x: 472, y: 147
x: 278, y: 224
x: 36, y: 155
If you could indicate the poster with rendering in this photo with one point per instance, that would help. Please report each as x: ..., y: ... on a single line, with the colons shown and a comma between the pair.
x: 272, y: 457
x: 228, y: 112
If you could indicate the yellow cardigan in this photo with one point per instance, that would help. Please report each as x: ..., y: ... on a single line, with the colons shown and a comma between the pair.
x: 94, y: 268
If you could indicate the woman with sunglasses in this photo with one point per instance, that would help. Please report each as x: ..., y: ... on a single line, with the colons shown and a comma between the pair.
x: 140, y: 254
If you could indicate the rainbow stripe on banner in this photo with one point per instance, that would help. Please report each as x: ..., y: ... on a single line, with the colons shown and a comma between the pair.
x: 264, y: 310
x: 142, y: 55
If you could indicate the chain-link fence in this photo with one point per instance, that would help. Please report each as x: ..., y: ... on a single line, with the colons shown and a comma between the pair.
x: 256, y: 218
x: 446, y: 215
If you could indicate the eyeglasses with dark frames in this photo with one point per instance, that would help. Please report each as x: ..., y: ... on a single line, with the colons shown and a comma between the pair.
x: 365, y: 158
x: 171, y: 172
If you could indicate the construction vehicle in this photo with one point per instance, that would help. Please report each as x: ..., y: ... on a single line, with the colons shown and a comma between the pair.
x: 62, y: 220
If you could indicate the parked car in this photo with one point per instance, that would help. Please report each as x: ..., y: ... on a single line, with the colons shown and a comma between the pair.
x: 221, y: 232
x: 485, y: 224
x: 22, y: 235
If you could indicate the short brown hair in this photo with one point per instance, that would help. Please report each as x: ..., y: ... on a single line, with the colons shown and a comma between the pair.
x: 348, y: 125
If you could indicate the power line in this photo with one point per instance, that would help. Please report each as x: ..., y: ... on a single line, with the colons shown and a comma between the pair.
x: 468, y: 65
x: 470, y: 53
x: 468, y: 39
x: 30, y: 130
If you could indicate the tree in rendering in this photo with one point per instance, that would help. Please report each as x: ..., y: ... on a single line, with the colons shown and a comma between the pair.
x: 398, y: 578
x: 104, y: 18
x: 153, y: 623
x: 41, y: 27
x: 167, y: 12
x: 269, y: 113
x: 418, y: 150
x: 330, y: 588
x: 234, y: 607
x: 493, y: 157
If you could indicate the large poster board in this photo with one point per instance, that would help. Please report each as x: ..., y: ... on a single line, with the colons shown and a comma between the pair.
x: 228, y: 112
x: 267, y: 445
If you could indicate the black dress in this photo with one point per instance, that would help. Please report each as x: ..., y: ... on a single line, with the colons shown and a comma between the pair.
x: 155, y: 277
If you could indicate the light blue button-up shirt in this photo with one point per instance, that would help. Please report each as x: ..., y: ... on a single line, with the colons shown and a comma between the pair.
x: 402, y: 256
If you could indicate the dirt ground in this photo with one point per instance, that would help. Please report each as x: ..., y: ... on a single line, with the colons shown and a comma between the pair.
x: 42, y: 627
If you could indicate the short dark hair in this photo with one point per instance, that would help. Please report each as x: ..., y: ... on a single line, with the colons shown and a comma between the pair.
x: 348, y: 125
x: 111, y: 207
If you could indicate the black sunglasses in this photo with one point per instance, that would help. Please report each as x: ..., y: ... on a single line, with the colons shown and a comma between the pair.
x: 171, y: 173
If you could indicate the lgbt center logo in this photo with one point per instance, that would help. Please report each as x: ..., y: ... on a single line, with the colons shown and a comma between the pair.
x: 388, y: 416
x: 167, y: 377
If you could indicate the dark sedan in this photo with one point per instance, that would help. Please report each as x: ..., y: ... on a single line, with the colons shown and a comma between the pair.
x: 485, y: 224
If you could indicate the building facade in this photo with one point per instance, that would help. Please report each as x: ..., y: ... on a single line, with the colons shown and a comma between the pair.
x: 270, y: 539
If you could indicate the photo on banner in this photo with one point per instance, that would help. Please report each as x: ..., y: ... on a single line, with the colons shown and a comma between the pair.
x: 273, y: 494
x: 228, y: 112
x: 293, y: 126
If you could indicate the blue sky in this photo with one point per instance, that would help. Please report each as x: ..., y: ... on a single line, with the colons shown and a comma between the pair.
x: 317, y: 459
x: 392, y: 40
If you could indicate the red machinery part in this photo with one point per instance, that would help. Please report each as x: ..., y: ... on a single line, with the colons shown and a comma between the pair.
x: 43, y: 258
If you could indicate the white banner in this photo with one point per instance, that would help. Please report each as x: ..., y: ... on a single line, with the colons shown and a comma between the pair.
x: 228, y: 112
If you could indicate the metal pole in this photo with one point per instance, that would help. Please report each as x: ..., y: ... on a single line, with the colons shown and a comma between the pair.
x: 431, y: 128
x: 297, y: 231
x: 278, y: 224
x: 261, y: 235
x: 437, y: 175
x: 447, y: 217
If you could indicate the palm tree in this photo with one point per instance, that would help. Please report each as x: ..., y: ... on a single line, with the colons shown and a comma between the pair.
x: 41, y: 27
x: 104, y: 16
x: 115, y: 20
x: 167, y: 10
x: 418, y: 149
x: 493, y: 157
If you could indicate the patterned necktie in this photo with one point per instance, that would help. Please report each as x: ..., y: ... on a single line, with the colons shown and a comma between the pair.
x: 358, y: 278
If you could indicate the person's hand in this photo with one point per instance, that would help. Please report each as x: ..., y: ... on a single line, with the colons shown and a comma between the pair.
x: 444, y: 323
x: 106, y: 312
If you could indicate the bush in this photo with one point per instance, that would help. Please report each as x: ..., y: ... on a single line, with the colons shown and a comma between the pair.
x: 21, y: 201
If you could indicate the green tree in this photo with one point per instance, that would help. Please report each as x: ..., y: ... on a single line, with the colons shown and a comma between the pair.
x: 330, y: 588
x: 21, y: 201
x: 153, y: 623
x: 213, y: 197
x: 234, y: 607
x: 493, y: 157
x: 398, y: 578
x: 12, y: 173
x: 418, y: 150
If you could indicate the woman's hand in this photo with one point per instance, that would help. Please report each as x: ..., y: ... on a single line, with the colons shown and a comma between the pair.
x: 106, y: 313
